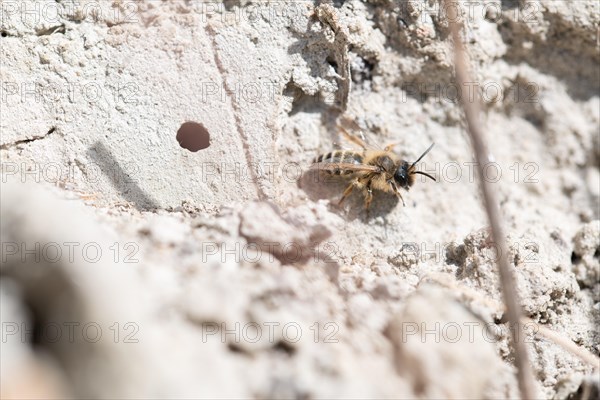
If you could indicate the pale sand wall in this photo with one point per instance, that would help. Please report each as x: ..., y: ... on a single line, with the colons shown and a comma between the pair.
x: 97, y: 93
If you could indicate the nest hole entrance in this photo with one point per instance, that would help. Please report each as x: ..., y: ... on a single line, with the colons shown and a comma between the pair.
x: 193, y: 136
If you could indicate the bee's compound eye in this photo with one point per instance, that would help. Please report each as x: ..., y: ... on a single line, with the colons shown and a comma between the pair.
x: 401, y: 176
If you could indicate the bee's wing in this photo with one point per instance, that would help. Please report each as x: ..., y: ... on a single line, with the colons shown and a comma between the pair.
x: 333, y: 167
x: 358, y: 140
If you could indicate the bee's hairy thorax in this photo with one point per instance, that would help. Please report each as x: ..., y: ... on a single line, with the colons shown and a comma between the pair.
x: 387, y: 161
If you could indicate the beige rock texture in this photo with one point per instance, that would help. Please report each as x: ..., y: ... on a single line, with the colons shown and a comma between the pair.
x: 135, y: 268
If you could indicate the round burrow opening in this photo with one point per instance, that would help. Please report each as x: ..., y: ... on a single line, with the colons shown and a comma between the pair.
x: 193, y: 136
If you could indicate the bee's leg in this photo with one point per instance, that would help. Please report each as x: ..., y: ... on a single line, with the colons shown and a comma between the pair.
x: 401, y: 198
x: 348, y: 190
x: 368, y: 196
x: 397, y: 191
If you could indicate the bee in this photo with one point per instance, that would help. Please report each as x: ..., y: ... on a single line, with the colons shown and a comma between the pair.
x: 370, y: 169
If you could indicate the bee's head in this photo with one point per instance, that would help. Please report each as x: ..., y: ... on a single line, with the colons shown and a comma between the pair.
x: 405, y: 174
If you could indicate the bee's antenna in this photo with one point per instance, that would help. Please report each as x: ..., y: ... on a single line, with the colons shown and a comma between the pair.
x: 422, y: 155
x: 424, y: 173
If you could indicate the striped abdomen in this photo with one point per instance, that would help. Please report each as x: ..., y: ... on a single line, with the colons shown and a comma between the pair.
x: 340, y: 156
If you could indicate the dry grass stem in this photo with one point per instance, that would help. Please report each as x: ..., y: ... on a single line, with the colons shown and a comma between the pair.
x: 482, y: 156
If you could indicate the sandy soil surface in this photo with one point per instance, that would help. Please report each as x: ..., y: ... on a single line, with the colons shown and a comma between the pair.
x: 135, y: 268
